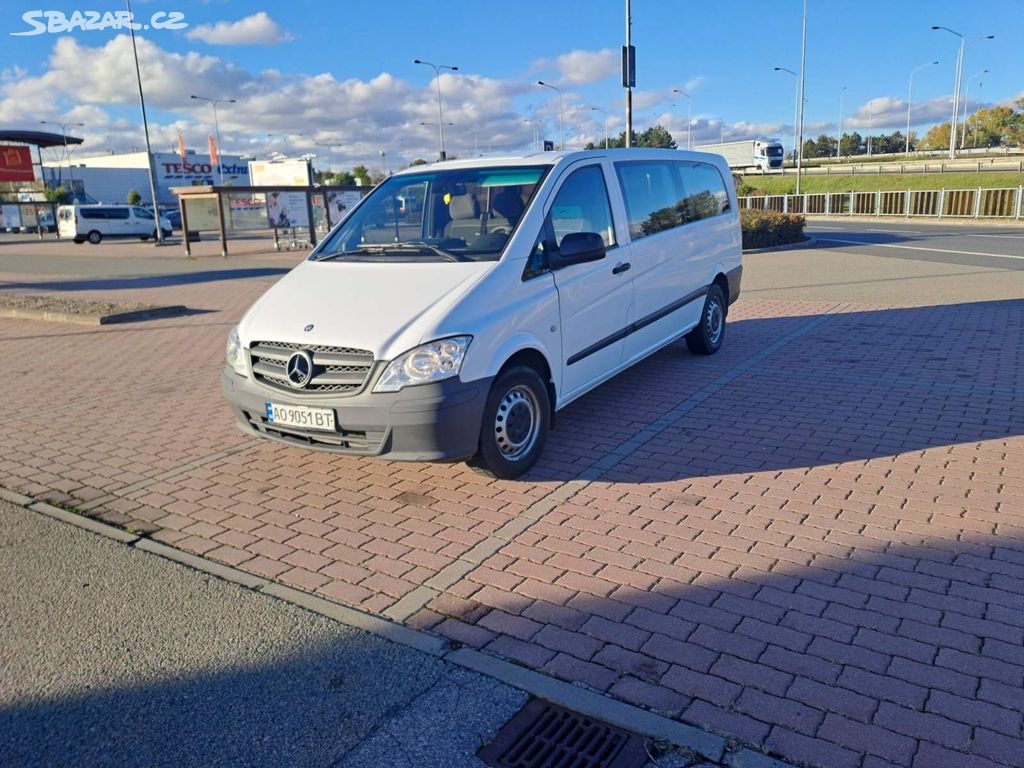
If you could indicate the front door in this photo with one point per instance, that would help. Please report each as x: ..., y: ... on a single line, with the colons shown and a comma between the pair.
x: 595, y: 299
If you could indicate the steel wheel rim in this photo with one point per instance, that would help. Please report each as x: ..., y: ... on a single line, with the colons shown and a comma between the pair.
x: 715, y: 321
x: 517, y: 422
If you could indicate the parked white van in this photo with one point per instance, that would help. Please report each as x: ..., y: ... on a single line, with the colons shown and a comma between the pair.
x: 81, y: 222
x: 459, y: 305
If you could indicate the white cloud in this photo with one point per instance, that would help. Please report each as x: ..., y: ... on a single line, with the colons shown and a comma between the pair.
x: 888, y: 113
x: 581, y: 67
x: 258, y: 29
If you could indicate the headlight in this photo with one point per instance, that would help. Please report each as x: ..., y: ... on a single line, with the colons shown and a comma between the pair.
x: 436, y: 361
x: 236, y: 353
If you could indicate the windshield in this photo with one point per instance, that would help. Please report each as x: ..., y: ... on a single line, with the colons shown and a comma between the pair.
x: 465, y: 214
x: 773, y: 150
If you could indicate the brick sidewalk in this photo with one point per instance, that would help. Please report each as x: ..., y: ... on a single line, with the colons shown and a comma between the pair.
x: 812, y: 542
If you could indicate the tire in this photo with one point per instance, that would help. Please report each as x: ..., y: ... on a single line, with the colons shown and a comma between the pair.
x: 167, y: 233
x: 144, y: 238
x: 519, y: 393
x: 95, y: 237
x: 78, y: 240
x: 707, y: 337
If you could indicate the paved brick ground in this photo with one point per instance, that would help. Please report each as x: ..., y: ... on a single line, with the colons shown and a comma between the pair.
x: 812, y: 542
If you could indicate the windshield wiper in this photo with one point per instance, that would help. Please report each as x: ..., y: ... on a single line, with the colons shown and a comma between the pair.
x: 387, y: 249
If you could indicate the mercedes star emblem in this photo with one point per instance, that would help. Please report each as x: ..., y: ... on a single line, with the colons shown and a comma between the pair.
x: 299, y: 369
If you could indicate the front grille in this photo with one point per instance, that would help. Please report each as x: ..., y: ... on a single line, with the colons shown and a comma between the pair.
x: 339, y: 370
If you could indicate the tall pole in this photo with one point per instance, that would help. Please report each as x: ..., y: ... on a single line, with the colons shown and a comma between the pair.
x: 803, y: 77
x: 628, y: 71
x: 440, y: 115
x: 603, y: 112
x: 216, y: 128
x: 145, y: 128
x: 967, y: 101
x: 839, y: 138
x: 689, y: 120
x: 871, y: 114
x: 796, y: 106
x: 956, y: 84
x: 910, y: 96
x: 976, y: 114
x: 561, y: 124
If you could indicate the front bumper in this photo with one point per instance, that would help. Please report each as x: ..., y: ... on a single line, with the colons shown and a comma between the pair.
x: 429, y: 422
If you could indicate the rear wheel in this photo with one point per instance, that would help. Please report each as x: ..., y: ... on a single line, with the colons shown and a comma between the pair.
x: 515, y: 423
x: 95, y: 237
x: 78, y: 240
x: 707, y: 337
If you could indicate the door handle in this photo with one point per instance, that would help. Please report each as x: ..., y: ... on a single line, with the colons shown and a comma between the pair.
x: 620, y: 268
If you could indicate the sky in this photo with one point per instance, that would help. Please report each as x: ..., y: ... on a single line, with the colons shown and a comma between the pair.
x: 338, y: 80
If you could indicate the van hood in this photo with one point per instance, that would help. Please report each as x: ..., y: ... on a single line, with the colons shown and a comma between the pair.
x: 383, y: 307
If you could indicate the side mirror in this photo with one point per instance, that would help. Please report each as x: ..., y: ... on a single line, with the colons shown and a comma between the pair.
x: 579, y: 248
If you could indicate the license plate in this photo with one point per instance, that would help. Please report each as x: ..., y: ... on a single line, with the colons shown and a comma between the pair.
x: 300, y: 416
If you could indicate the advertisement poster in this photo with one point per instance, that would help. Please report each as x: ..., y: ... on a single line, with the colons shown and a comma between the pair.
x: 15, y: 163
x: 283, y: 173
x: 247, y: 211
x: 341, y: 203
x: 287, y: 209
x: 201, y: 213
x: 10, y: 217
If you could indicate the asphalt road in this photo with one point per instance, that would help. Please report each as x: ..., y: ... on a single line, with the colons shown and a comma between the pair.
x: 115, y: 657
x: 882, y: 262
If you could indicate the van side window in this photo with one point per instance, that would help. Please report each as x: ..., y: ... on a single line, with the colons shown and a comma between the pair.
x: 92, y: 213
x: 705, y: 191
x: 652, y: 195
x: 142, y: 213
x: 582, y: 206
x: 117, y: 213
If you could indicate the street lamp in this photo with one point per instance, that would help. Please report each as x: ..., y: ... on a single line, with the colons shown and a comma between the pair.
x: 967, y: 93
x: 839, y: 137
x: 603, y: 112
x: 689, y: 121
x: 561, y: 124
x: 721, y: 126
x: 976, y: 111
x: 216, y: 128
x: 67, y: 152
x: 536, y: 133
x: 145, y: 129
x: 796, y: 105
x: 910, y: 92
x: 956, y: 84
x: 440, y: 115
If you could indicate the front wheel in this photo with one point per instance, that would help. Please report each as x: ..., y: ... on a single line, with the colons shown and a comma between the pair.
x: 95, y: 237
x: 707, y: 337
x: 515, y: 423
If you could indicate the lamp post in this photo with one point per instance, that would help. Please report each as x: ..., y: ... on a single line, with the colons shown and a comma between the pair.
x: 976, y: 111
x: 956, y: 83
x: 910, y: 93
x: 67, y: 152
x: 536, y: 133
x: 871, y: 114
x: 216, y: 128
x: 689, y: 121
x: 603, y: 112
x: 431, y: 125
x: 145, y: 127
x: 796, y: 105
x: 440, y: 115
x: 839, y: 137
x: 721, y: 129
x: 967, y: 101
x: 561, y: 125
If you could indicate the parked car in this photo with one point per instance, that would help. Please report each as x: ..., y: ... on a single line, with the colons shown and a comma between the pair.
x: 522, y: 284
x: 95, y: 222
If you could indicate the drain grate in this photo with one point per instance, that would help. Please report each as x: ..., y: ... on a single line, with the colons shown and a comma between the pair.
x: 543, y: 735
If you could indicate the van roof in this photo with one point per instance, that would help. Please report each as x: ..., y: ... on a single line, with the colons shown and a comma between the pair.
x: 563, y: 156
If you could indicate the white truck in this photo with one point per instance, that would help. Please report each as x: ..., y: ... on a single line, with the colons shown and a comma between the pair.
x: 753, y: 153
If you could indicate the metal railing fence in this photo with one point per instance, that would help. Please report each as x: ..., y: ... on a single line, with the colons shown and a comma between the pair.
x: 1004, y: 203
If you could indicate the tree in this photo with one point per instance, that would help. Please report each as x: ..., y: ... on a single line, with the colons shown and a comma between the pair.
x: 418, y: 161
x: 56, y: 194
x: 852, y: 144
x: 361, y: 175
x: 134, y: 198
x: 655, y: 136
x: 936, y: 138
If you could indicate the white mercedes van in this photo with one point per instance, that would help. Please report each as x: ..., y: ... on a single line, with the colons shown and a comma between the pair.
x: 459, y: 305
x: 81, y: 222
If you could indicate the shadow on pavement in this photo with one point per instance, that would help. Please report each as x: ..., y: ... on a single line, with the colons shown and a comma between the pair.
x: 147, y: 281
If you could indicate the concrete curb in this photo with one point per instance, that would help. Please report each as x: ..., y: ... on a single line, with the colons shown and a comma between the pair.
x: 86, y: 319
x: 808, y: 243
x: 592, y: 704
x: 534, y: 683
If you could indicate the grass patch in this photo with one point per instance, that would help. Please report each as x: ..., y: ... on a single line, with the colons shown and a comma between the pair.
x: 874, y: 182
x: 766, y: 229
